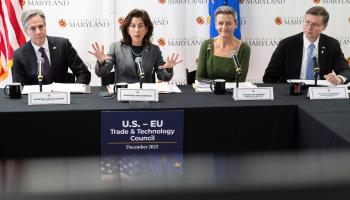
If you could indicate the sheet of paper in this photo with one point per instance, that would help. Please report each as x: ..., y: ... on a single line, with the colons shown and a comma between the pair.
x: 164, y: 87
x: 58, y: 87
x: 310, y: 82
x: 201, y: 86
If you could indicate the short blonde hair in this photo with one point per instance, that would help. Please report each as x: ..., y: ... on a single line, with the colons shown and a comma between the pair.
x: 226, y: 10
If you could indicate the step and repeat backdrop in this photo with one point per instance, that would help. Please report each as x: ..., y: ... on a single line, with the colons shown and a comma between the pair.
x: 181, y: 25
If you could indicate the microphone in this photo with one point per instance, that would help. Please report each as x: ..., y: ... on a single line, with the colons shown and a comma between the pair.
x: 40, y: 74
x: 316, y: 66
x: 138, y: 61
x: 238, y: 68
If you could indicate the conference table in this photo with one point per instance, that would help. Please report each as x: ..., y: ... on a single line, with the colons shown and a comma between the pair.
x: 212, y: 123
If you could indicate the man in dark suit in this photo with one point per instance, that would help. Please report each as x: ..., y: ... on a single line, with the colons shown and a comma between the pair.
x: 57, y: 55
x: 290, y: 59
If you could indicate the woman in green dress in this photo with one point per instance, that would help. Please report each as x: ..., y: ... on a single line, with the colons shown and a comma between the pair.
x: 215, y: 57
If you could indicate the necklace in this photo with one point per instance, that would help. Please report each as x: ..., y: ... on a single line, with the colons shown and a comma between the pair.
x: 136, y: 54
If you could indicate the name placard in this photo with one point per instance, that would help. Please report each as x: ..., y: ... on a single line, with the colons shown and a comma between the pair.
x: 125, y: 94
x: 260, y: 93
x: 140, y: 132
x: 137, y: 146
x: 48, y: 98
x: 332, y: 92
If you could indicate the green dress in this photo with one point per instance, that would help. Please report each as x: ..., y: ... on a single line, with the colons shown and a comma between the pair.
x: 215, y: 67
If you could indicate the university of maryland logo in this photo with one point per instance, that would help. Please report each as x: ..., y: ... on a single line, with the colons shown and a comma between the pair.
x: 278, y: 21
x: 162, y: 1
x: 348, y: 59
x: 213, y: 1
x: 200, y: 20
x: 120, y: 20
x: 62, y: 23
x: 161, y: 42
x: 316, y: 1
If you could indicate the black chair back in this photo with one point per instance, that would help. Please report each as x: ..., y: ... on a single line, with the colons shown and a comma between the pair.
x: 109, y: 79
x: 190, y: 76
x: 70, y: 78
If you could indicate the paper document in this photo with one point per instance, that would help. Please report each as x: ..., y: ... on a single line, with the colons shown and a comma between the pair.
x: 58, y: 87
x: 204, y: 86
x: 163, y: 87
x: 310, y: 82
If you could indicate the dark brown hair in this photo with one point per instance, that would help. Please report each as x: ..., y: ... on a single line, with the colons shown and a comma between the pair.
x: 138, y: 13
x: 319, y: 11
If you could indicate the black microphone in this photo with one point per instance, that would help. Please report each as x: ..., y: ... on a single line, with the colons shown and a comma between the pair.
x: 41, y: 61
x: 138, y: 61
x: 238, y: 68
x: 316, y: 67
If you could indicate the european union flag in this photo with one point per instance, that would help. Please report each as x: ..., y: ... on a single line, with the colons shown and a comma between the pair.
x: 213, y: 4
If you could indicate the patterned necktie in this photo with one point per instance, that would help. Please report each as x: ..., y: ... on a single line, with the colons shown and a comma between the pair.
x: 47, y: 73
x: 310, y: 63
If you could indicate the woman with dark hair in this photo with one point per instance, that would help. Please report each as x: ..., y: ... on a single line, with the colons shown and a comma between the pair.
x: 134, y: 48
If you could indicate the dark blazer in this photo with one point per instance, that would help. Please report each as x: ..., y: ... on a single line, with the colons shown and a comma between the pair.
x: 62, y: 56
x: 124, y: 64
x: 286, y: 61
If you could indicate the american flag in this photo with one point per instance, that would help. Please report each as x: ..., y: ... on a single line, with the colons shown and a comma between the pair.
x: 11, y: 34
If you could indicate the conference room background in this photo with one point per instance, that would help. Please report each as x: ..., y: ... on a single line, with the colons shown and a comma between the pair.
x: 181, y: 26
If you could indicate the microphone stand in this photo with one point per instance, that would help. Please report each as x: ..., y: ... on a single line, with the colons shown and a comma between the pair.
x: 138, y: 61
x: 40, y: 81
x: 238, y: 74
x: 238, y: 68
x: 40, y: 75
x: 142, y: 75
x: 316, y: 70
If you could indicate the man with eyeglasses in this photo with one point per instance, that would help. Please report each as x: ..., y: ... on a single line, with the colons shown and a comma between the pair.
x: 295, y: 55
x: 56, y: 53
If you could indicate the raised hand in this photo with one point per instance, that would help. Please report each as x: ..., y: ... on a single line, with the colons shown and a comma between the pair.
x: 99, y: 53
x: 171, y: 62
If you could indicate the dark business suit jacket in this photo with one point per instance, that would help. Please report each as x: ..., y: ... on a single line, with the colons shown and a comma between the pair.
x: 124, y: 64
x: 62, y: 56
x: 286, y: 61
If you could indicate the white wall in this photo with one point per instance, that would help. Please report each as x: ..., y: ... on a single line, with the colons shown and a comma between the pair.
x: 183, y: 25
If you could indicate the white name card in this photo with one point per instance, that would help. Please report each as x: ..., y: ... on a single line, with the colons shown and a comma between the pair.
x: 259, y: 93
x: 125, y: 94
x: 48, y: 98
x: 333, y: 92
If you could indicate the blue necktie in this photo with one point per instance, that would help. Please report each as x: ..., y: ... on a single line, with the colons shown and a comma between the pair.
x: 47, y: 73
x: 310, y: 63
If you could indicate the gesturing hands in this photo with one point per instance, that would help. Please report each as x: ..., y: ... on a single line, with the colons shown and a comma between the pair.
x: 99, y: 53
x: 170, y: 63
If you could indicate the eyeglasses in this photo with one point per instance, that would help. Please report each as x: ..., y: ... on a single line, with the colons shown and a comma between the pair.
x: 316, y: 25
